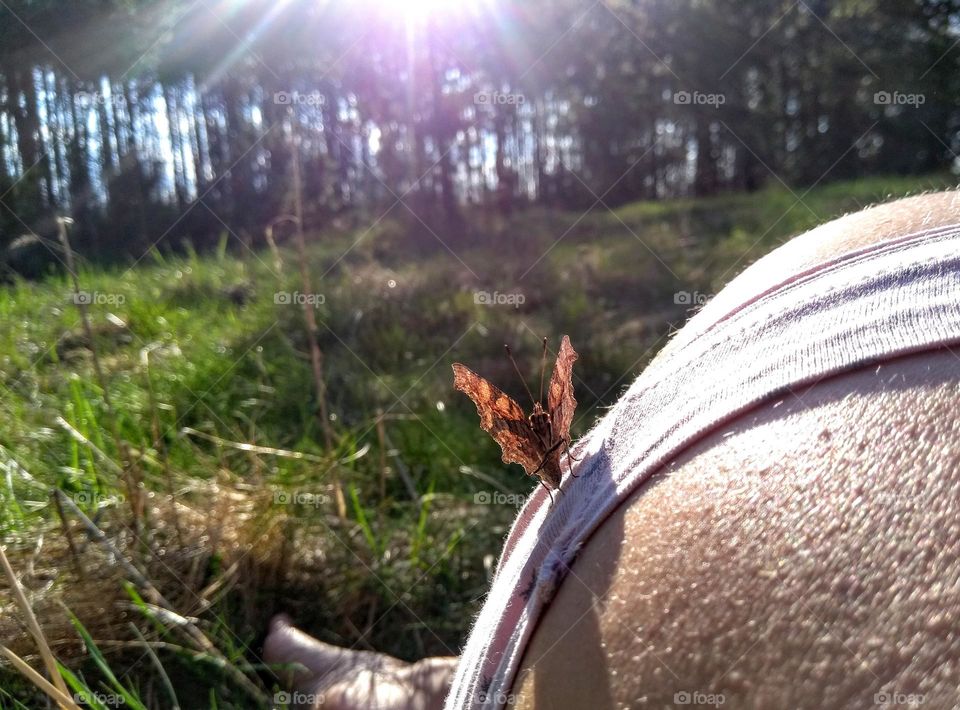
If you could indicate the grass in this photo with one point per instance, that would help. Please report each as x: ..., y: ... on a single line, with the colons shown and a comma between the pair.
x: 204, y: 466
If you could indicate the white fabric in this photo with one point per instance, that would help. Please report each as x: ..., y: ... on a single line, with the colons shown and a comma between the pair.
x: 890, y: 299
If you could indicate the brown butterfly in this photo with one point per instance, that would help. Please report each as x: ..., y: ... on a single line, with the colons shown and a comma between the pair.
x: 534, y: 442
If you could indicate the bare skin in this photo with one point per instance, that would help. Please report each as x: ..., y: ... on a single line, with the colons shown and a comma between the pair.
x: 333, y: 677
x: 806, y: 555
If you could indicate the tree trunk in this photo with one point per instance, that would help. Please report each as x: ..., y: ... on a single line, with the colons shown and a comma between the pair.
x: 27, y: 123
x: 705, y: 177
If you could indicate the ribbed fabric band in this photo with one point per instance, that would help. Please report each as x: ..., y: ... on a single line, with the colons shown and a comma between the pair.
x: 894, y: 298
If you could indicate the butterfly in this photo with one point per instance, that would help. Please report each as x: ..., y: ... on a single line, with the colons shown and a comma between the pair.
x: 535, y: 441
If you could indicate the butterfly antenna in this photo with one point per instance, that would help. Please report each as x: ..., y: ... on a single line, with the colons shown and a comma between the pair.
x: 543, y: 365
x: 510, y: 355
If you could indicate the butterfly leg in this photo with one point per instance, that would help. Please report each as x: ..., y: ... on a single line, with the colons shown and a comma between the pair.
x: 546, y: 456
x: 569, y: 458
x: 549, y: 492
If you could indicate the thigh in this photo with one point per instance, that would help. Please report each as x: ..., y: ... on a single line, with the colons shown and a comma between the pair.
x: 805, y: 556
x: 801, y: 557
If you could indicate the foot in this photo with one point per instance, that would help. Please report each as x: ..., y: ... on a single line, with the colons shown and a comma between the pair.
x: 323, y: 675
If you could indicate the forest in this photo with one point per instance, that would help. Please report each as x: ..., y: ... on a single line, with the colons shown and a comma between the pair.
x: 155, y: 123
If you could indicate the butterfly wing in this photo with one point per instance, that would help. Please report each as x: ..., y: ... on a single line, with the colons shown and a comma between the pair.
x: 501, y: 417
x: 561, y: 403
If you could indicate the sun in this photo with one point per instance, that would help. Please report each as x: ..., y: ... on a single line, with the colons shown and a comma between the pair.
x: 418, y: 9
x: 422, y: 8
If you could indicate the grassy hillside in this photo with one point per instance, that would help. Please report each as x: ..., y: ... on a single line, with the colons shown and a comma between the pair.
x: 205, y: 464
